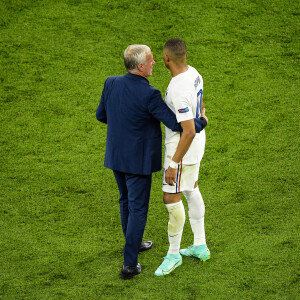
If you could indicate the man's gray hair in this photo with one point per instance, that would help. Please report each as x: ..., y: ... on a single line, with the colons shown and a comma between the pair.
x: 135, y: 55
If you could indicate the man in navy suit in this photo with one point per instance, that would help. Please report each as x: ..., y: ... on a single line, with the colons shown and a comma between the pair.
x: 133, y: 109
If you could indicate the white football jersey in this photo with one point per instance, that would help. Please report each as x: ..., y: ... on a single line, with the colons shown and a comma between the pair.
x: 184, y: 98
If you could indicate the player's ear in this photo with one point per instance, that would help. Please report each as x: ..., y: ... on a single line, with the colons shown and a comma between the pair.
x: 166, y: 58
x: 187, y: 55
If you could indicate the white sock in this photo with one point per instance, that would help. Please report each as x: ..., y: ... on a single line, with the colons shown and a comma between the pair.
x: 196, y: 215
x: 175, y: 225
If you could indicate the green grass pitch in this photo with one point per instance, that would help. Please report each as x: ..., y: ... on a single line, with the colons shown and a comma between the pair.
x: 60, y: 232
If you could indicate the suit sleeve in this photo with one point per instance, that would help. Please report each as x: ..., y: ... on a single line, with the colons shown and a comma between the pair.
x: 101, y: 112
x: 200, y: 124
x: 159, y: 110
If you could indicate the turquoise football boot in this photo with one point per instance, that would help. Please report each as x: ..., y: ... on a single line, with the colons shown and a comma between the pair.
x: 170, y: 263
x: 201, y: 252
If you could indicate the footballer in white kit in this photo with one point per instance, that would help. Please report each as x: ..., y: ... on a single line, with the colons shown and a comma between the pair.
x: 184, y: 98
x: 183, y: 154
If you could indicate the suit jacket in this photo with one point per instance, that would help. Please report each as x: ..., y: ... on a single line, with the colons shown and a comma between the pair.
x: 133, y: 109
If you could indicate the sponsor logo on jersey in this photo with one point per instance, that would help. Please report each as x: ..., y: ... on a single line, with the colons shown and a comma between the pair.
x: 183, y: 110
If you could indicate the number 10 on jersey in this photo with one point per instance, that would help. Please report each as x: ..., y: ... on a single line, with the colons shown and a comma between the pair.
x: 199, y: 103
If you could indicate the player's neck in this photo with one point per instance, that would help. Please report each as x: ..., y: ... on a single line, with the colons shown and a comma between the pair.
x: 178, y: 69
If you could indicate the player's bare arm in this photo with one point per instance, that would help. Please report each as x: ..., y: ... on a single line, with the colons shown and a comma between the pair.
x: 184, y: 144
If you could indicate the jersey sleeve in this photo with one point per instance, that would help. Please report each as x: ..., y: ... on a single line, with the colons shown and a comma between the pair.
x: 183, y: 108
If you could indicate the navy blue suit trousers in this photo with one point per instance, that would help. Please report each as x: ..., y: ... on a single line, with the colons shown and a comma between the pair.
x: 134, y: 204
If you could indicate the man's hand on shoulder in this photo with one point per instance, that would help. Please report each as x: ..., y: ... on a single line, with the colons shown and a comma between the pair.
x: 203, y: 115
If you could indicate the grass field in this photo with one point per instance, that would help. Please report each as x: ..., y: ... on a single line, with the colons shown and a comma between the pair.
x: 60, y: 232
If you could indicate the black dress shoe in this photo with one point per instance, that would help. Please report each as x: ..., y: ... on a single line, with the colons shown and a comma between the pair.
x: 128, y: 272
x: 145, y: 246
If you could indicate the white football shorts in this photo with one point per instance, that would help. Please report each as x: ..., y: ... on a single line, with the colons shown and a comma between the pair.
x: 187, y: 175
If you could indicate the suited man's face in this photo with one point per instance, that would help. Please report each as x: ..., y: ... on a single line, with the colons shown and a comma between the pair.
x: 146, y: 68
